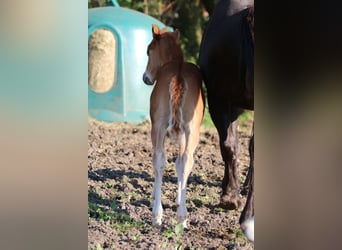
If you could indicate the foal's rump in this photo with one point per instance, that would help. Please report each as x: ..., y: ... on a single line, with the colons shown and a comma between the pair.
x: 178, y: 96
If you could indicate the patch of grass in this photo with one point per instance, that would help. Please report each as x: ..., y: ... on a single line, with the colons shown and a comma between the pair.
x: 145, y: 196
x: 124, y: 223
x: 197, y: 202
x: 128, y: 197
x: 131, y: 196
x: 238, y: 232
x: 219, y: 209
x: 207, y: 122
x: 245, y: 116
x: 100, y: 213
x: 168, y: 233
x: 136, y: 238
x: 177, y: 232
x: 119, y: 220
x: 165, y: 245
x: 179, y: 229
x: 201, y: 199
x: 109, y: 184
x: 239, y: 239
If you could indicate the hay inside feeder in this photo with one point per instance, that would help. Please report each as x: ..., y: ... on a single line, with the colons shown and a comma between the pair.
x: 101, y: 60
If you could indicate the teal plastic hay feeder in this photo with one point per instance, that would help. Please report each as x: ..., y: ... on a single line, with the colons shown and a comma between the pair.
x: 117, y: 44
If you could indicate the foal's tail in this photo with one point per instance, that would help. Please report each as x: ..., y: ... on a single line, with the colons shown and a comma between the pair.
x: 177, y: 90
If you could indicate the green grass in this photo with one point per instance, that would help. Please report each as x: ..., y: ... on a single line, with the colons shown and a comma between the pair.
x: 177, y: 231
x: 245, y: 116
x: 200, y: 200
x: 124, y: 223
x: 207, y: 122
x: 239, y: 238
x: 98, y: 212
x: 119, y: 220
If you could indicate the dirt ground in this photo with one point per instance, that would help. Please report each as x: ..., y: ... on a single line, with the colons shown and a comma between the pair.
x: 120, y: 181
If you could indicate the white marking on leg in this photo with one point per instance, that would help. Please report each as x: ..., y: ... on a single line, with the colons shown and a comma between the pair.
x: 180, y: 166
x: 186, y: 168
x: 158, y: 164
x: 187, y: 164
x: 181, y: 210
x: 179, y: 179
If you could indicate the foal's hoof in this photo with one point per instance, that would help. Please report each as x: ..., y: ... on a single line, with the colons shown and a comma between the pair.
x: 183, y: 221
x: 230, y: 202
x: 156, y: 221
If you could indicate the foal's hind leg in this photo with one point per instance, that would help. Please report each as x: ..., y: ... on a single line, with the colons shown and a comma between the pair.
x: 158, y: 136
x: 180, y: 166
x: 184, y: 164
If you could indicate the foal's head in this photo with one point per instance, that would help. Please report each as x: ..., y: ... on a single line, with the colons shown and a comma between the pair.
x: 164, y: 48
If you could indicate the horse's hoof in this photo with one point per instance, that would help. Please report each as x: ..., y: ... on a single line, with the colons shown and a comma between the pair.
x: 229, y: 202
x: 156, y: 221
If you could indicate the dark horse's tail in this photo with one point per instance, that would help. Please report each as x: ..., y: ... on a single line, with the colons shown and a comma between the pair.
x: 177, y: 90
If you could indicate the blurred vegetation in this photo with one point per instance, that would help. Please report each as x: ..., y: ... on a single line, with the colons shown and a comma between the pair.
x: 189, y: 17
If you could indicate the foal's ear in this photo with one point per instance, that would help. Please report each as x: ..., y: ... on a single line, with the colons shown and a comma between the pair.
x: 155, y: 30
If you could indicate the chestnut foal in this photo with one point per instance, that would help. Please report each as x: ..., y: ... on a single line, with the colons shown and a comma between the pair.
x: 177, y: 104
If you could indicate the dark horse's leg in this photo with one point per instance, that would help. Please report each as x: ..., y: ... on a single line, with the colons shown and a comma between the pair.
x: 248, y: 210
x: 226, y: 123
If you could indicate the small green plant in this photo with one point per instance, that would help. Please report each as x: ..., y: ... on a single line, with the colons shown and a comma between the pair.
x: 165, y: 245
x: 239, y: 233
x: 179, y: 229
x: 168, y: 233
x: 177, y: 232
x: 98, y: 247
x: 219, y: 209
x: 109, y: 183
x: 202, y: 199
x: 131, y: 196
x: 94, y: 211
x: 119, y: 220
x: 124, y: 223
x: 239, y: 237
x: 136, y: 237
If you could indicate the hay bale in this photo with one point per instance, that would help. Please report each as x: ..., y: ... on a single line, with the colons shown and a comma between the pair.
x: 101, y: 60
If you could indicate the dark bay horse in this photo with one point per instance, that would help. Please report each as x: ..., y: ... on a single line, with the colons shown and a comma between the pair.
x: 177, y: 103
x: 227, y: 64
